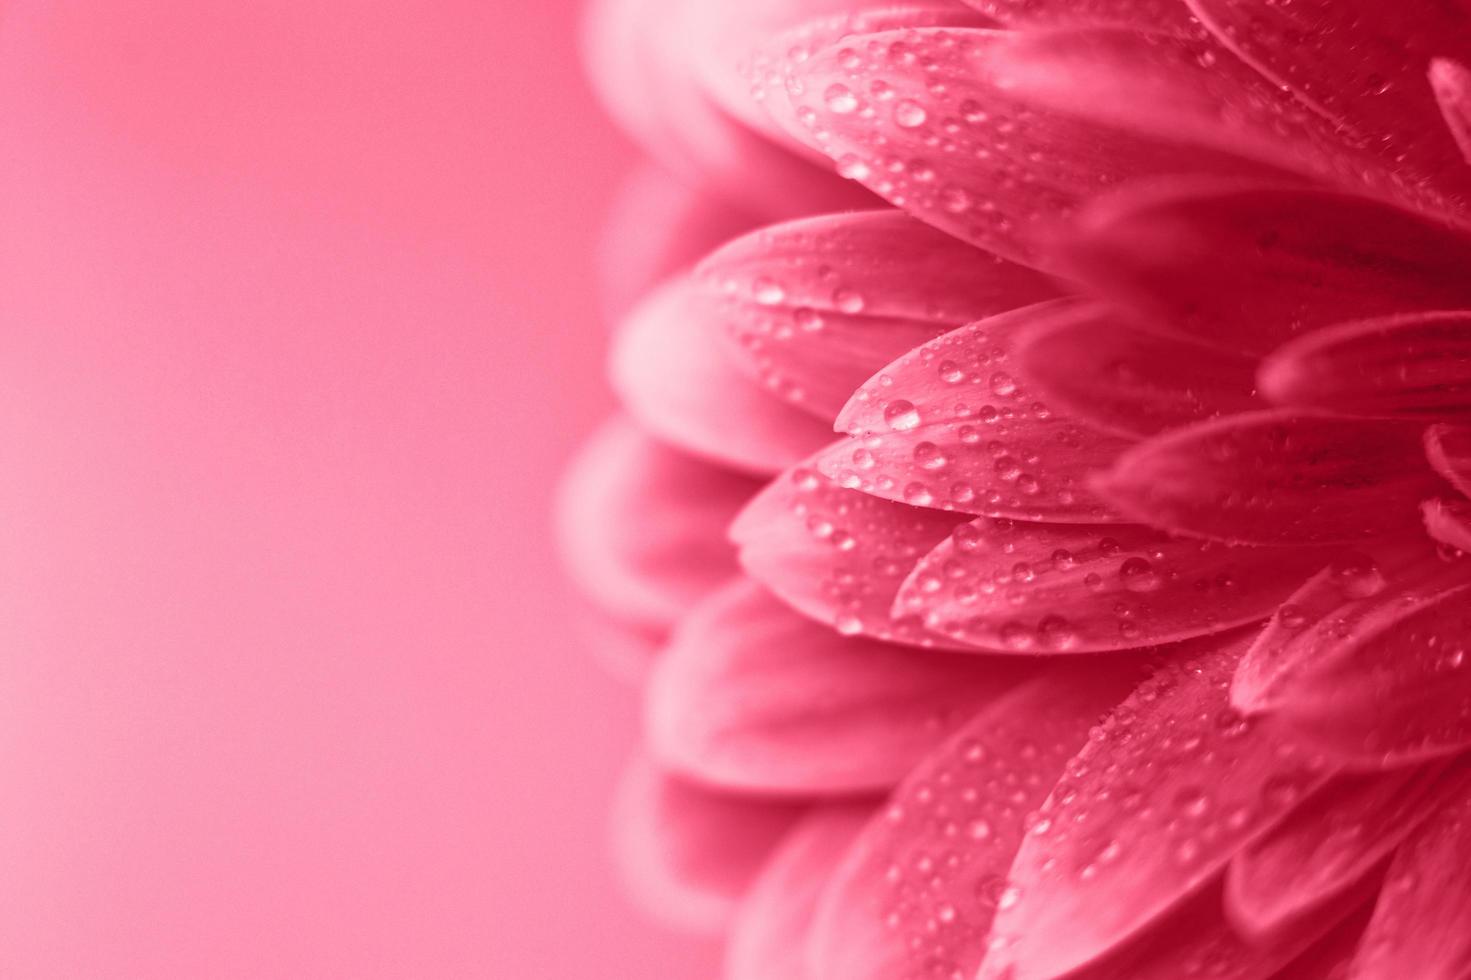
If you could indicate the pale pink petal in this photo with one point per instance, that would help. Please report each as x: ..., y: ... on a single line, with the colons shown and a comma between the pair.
x: 1044, y: 588
x: 813, y: 308
x: 1328, y: 844
x: 626, y: 652
x: 926, y: 119
x: 642, y: 526
x: 751, y: 695
x: 1421, y: 926
x: 639, y: 58
x: 916, y: 896
x: 674, y: 376
x: 658, y: 226
x: 1089, y: 365
x: 837, y: 555
x: 1158, y: 15
x: 1451, y: 81
x: 769, y: 937
x: 1317, y: 615
x: 1275, y: 477
x: 1149, y: 812
x: 1197, y: 940
x: 1361, y: 64
x: 1247, y: 267
x: 1448, y: 447
x: 688, y: 854
x: 1388, y: 685
x: 1449, y: 522
x: 1415, y: 365
x: 952, y: 426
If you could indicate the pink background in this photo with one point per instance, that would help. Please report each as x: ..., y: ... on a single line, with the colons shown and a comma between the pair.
x: 295, y: 332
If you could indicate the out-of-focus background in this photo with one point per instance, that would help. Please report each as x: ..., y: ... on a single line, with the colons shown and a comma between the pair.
x: 296, y: 329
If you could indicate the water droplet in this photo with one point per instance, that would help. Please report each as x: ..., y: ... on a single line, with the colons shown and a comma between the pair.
x: 848, y: 301
x: 910, y: 114
x: 901, y: 415
x: 768, y: 292
x: 1138, y: 575
x: 840, y: 99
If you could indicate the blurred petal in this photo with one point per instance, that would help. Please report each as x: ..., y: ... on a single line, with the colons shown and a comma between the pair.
x: 674, y: 376
x: 815, y: 307
x: 927, y: 120
x: 1448, y: 448
x: 1041, y: 588
x: 1247, y: 267
x: 1414, y: 366
x: 1117, y: 379
x: 642, y: 526
x: 768, y: 939
x: 1329, y: 843
x: 1163, y: 794
x: 951, y: 426
x: 753, y: 696
x: 1159, y: 15
x: 1452, y: 84
x: 1449, y: 522
x: 688, y: 854
x: 1275, y: 477
x: 919, y: 889
x: 836, y: 555
x: 1421, y: 926
x: 1362, y: 65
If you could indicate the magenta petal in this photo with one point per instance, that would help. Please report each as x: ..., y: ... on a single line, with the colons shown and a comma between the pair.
x: 813, y: 308
x: 1451, y: 81
x: 1086, y: 364
x: 1275, y: 477
x: 916, y: 896
x: 951, y: 426
x: 1421, y: 926
x: 1328, y: 844
x: 1415, y: 366
x: 642, y: 526
x: 929, y: 121
x: 1449, y: 522
x: 1448, y: 448
x: 768, y: 939
x: 1362, y: 65
x: 688, y: 854
x: 1164, y: 793
x: 750, y: 695
x: 1247, y: 267
x: 1041, y: 588
x: 837, y: 555
x: 674, y: 376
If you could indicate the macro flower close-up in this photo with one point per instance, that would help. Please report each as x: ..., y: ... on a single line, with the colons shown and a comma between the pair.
x: 1036, y: 522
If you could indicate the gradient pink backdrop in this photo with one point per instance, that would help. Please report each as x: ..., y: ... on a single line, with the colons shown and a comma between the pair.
x: 295, y: 331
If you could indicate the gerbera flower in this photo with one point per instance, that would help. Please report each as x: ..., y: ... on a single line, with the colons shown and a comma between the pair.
x: 1122, y: 631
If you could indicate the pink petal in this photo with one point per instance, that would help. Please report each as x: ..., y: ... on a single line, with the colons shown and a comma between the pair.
x: 916, y: 896
x: 1246, y: 268
x: 642, y: 526
x: 1388, y: 684
x: 1128, y: 382
x: 1421, y: 926
x: 1449, y: 522
x: 1415, y: 365
x: 1362, y: 65
x: 1448, y: 448
x: 1165, y: 791
x: 688, y: 854
x: 951, y: 426
x: 1159, y: 15
x: 753, y: 696
x: 673, y: 375
x: 768, y: 939
x: 639, y: 58
x: 1314, y: 618
x: 1006, y: 585
x: 1451, y: 82
x: 1275, y: 477
x: 1328, y: 844
x: 927, y: 120
x: 813, y: 308
x: 836, y: 555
